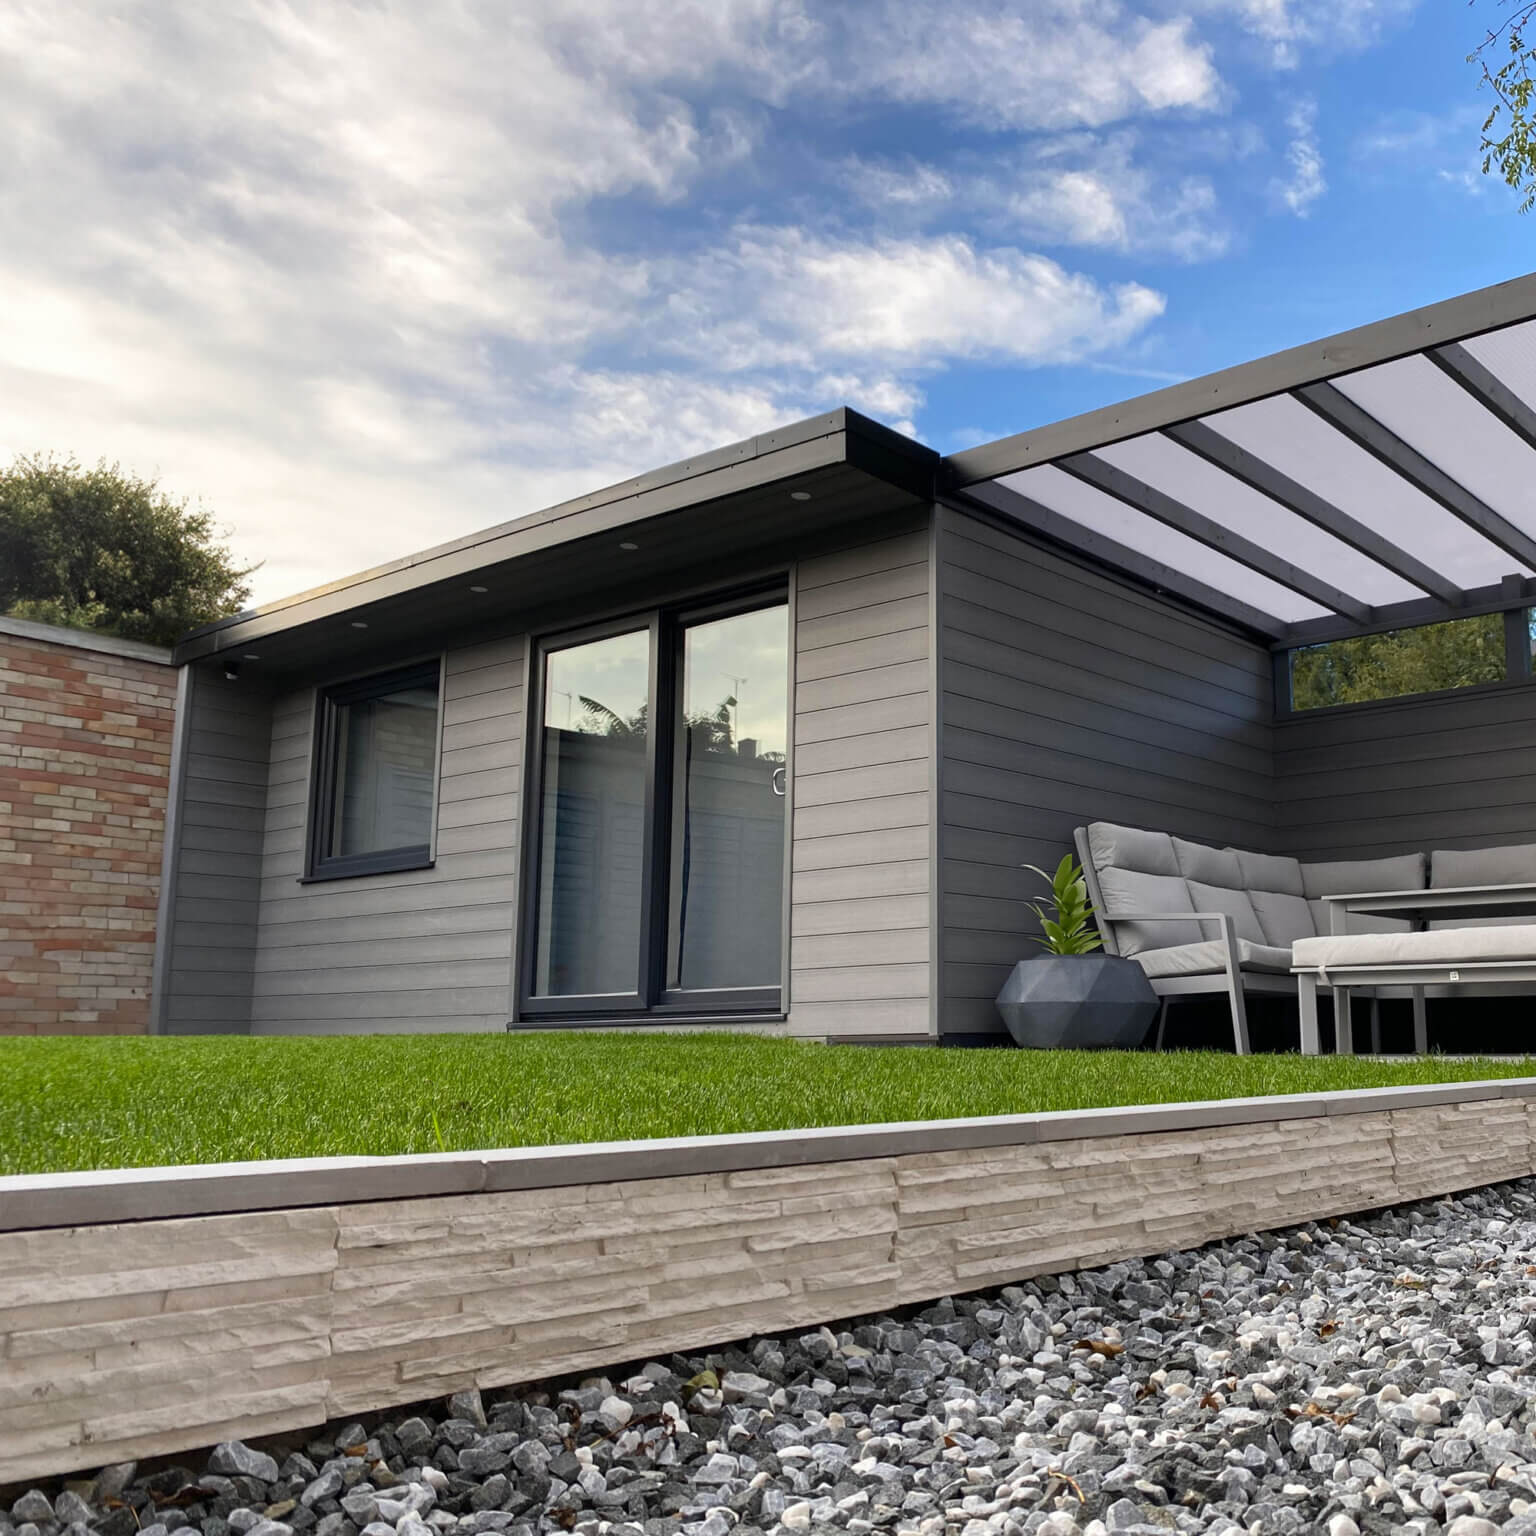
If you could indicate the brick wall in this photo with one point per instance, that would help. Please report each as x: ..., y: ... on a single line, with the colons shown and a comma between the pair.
x: 85, y: 753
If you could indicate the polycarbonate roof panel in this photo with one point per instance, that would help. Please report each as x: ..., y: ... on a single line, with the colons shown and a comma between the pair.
x: 1224, y: 499
x: 1287, y: 435
x: 1435, y: 415
x: 1095, y: 509
x: 1511, y: 354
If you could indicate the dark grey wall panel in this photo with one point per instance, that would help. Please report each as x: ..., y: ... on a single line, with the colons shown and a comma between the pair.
x: 1069, y: 696
x: 207, y: 953
x: 1452, y: 771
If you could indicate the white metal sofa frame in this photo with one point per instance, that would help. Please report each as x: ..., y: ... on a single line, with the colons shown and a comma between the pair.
x: 1233, y: 980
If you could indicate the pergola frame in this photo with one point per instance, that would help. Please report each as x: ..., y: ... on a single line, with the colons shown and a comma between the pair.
x: 1189, y: 415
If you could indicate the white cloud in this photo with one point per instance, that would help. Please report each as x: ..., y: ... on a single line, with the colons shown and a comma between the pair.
x: 341, y: 270
x: 1304, y: 157
x: 1288, y: 28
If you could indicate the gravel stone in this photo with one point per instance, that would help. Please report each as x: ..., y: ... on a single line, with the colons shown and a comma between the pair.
x: 32, y: 1506
x: 233, y: 1458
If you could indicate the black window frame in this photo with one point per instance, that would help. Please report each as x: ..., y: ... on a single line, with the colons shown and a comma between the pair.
x: 329, y: 702
x: 653, y: 1001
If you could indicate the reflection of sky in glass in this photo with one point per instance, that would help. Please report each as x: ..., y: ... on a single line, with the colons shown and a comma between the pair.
x: 613, y: 672
x: 746, y: 658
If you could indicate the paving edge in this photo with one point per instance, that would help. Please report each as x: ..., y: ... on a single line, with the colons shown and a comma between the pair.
x: 40, y: 1201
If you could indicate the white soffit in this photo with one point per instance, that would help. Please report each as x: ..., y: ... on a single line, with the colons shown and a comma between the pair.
x: 1186, y: 477
x: 1288, y: 436
x: 1105, y: 514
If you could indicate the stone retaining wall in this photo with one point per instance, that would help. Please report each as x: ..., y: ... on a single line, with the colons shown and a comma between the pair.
x: 128, y: 1338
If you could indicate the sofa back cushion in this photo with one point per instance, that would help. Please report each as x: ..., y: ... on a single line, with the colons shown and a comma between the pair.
x: 1511, y: 864
x: 1406, y: 872
x: 1235, y: 903
x: 1132, y: 890
x: 1284, y: 917
x: 1114, y: 847
x: 1208, y: 865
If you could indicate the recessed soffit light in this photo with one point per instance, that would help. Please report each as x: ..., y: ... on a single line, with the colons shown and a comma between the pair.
x: 251, y: 656
x: 359, y: 624
x: 628, y: 544
x: 799, y: 495
x: 479, y: 589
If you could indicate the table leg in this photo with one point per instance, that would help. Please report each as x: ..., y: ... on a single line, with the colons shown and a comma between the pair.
x: 1342, y: 1027
x: 1420, y: 1023
x: 1375, y: 1025
x: 1307, y: 992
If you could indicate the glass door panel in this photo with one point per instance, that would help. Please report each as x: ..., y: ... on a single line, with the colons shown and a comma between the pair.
x: 726, y: 864
x: 592, y: 832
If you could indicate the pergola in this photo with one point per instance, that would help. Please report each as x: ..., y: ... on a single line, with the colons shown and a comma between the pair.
x: 1382, y: 478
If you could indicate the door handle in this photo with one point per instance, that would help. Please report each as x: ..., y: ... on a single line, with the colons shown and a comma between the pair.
x: 777, y: 780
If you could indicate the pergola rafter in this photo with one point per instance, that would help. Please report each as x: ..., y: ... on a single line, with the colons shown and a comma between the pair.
x: 1465, y: 551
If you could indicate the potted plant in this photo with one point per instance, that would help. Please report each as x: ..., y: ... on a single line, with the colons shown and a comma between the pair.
x: 1074, y: 996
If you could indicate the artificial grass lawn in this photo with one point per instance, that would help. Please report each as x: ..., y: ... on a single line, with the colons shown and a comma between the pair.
x: 114, y: 1103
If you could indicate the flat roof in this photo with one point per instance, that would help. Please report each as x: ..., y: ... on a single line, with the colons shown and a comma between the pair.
x: 1384, y: 476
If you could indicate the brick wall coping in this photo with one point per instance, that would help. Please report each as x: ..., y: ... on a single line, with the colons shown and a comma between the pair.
x: 84, y: 640
x: 33, y: 1201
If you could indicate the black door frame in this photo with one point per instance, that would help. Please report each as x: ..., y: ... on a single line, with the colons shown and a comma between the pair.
x: 665, y: 627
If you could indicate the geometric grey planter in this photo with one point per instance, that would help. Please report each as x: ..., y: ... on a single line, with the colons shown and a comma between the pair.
x: 1077, y: 1002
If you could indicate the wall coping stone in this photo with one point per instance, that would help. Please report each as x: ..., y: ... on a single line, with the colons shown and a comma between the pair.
x: 84, y: 640
x: 90, y: 1198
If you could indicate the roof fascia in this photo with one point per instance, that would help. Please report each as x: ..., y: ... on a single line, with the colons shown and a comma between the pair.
x: 841, y: 436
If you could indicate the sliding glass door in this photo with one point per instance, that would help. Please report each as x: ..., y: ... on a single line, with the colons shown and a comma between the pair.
x: 658, y: 827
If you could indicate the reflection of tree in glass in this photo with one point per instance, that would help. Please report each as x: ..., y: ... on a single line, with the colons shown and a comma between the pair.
x: 710, y: 730
x: 1458, y: 653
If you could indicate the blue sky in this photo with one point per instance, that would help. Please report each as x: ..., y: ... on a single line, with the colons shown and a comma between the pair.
x: 367, y: 277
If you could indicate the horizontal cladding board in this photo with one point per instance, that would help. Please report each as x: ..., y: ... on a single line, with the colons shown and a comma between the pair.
x: 861, y: 750
x: 963, y: 979
x: 478, y: 785
x: 223, y: 912
x: 461, y: 683
x: 1358, y: 800
x: 1030, y: 710
x: 1412, y: 776
x: 980, y: 946
x: 194, y: 885
x: 251, y: 770
x: 437, y: 1002
x: 238, y: 819
x: 862, y: 623
x: 500, y: 703
x: 453, y: 841
x: 504, y: 650
x: 494, y: 861
x: 252, y: 747
x: 971, y: 1016
x: 902, y: 549
x: 861, y: 719
x: 458, y: 918
x: 388, y: 952
x: 1081, y: 605
x: 1142, y: 668
x: 480, y: 733
x: 884, y: 1016
x: 244, y: 860
x: 856, y: 984
x: 384, y: 980
x: 503, y: 754
x: 987, y: 914
x: 465, y: 813
x: 857, y: 657
x: 864, y: 591
x: 855, y: 849
x: 860, y: 783
x: 1433, y: 827
x: 809, y: 952
x: 1121, y: 683
x: 188, y: 1012
x: 221, y: 792
x: 874, y: 914
x: 1445, y: 748
x: 382, y: 896
x: 223, y: 990
x: 839, y: 885
x: 1101, y: 794
x: 1404, y: 719
x: 453, y: 1023
x: 845, y: 816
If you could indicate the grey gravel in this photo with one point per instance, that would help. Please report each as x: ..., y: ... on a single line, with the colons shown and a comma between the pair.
x: 1357, y: 1378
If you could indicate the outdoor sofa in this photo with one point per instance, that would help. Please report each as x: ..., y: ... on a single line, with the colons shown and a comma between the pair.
x: 1200, y: 919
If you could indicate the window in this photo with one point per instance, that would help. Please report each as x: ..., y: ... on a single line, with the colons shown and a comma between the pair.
x: 1459, y: 653
x: 375, y: 775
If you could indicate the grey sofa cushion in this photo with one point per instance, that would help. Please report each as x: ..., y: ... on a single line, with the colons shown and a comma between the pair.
x: 1209, y: 956
x: 1130, y: 890
x: 1236, y: 905
x: 1402, y: 873
x: 1283, y: 917
x: 1513, y: 864
x: 1447, y: 946
x: 1115, y: 847
x: 1210, y: 866
x: 1270, y: 872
